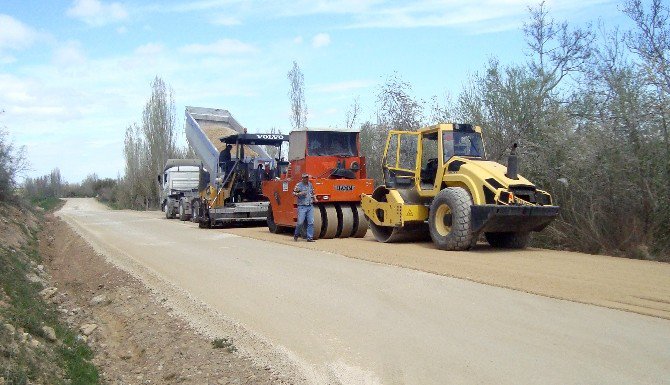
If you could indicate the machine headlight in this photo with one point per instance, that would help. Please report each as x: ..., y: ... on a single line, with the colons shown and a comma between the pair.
x: 506, y: 197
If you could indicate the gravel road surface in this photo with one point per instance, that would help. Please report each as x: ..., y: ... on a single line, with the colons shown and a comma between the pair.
x: 323, y: 318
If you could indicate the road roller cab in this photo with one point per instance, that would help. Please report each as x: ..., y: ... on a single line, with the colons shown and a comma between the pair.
x: 337, y: 172
x: 439, y: 183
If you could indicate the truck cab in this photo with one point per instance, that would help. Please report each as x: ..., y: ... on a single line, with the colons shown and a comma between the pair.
x: 179, y: 182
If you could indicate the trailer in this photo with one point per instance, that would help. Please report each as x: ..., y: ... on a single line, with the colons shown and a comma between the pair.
x: 230, y: 188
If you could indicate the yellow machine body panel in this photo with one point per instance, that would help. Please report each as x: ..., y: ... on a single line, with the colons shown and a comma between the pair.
x: 216, y: 197
x: 394, y: 211
x: 422, y: 163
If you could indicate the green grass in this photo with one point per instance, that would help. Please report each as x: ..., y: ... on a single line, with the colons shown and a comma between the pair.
x: 27, y: 310
x: 112, y: 205
x: 48, y: 204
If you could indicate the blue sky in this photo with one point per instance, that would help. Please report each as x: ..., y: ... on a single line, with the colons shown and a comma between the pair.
x: 75, y: 74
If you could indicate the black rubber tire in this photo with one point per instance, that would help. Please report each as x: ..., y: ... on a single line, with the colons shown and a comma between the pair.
x: 195, y: 208
x: 168, y: 211
x: 272, y: 225
x: 182, y: 212
x: 508, y: 240
x: 458, y: 236
x: 205, y: 223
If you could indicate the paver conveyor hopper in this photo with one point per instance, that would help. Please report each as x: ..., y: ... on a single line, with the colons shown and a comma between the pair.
x: 230, y: 184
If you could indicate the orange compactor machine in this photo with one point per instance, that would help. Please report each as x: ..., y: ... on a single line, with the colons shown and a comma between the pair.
x: 337, y: 171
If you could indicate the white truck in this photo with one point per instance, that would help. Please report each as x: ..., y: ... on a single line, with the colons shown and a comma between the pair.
x: 180, y: 182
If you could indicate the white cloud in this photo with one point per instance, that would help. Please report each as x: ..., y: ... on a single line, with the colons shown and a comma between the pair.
x: 97, y: 13
x: 227, y: 21
x: 69, y: 54
x: 14, y: 34
x: 321, y: 40
x: 477, y: 17
x: 14, y: 90
x: 278, y: 7
x: 221, y: 47
x: 27, y: 99
x: 484, y: 16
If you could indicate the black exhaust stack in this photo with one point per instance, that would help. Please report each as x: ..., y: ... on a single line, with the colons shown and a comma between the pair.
x: 513, y: 164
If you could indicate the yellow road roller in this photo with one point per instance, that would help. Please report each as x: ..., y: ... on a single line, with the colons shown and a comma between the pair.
x: 438, y: 184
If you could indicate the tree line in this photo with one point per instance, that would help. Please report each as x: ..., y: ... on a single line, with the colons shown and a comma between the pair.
x: 588, y: 107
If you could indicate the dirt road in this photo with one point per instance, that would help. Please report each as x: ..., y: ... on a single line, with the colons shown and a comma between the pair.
x: 618, y: 283
x: 323, y: 318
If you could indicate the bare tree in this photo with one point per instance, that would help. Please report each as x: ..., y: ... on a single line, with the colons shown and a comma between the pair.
x: 556, y: 51
x: 373, y: 139
x: 274, y: 151
x: 397, y: 109
x: 352, y: 114
x: 158, y: 127
x: 134, y: 182
x: 296, y: 96
x: 13, y: 163
x: 651, y: 40
x: 441, y: 112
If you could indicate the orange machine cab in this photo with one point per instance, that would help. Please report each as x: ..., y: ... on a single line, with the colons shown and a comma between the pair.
x: 337, y: 172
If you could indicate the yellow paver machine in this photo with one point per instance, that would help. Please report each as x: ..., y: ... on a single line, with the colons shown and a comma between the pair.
x: 439, y: 183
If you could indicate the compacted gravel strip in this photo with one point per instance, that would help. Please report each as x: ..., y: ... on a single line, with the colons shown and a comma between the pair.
x: 329, y: 319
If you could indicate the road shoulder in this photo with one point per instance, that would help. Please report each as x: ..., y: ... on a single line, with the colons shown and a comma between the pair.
x: 135, y: 336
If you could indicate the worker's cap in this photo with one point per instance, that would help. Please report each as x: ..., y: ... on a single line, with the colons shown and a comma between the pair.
x: 305, y: 175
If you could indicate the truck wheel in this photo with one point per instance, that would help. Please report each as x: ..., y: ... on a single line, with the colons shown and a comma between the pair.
x: 272, y: 225
x: 205, y: 223
x: 182, y: 212
x: 168, y: 211
x: 195, y: 211
x: 449, y: 219
x: 507, y: 240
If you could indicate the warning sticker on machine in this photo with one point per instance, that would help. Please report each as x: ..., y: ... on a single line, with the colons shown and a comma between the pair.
x: 284, y: 186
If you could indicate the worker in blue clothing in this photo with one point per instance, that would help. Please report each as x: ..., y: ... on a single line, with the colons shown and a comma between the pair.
x: 304, y: 191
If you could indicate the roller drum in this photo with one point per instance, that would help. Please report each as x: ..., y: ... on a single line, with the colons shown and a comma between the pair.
x: 345, y: 218
x: 361, y: 223
x: 318, y: 221
x: 408, y: 233
x: 329, y: 221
